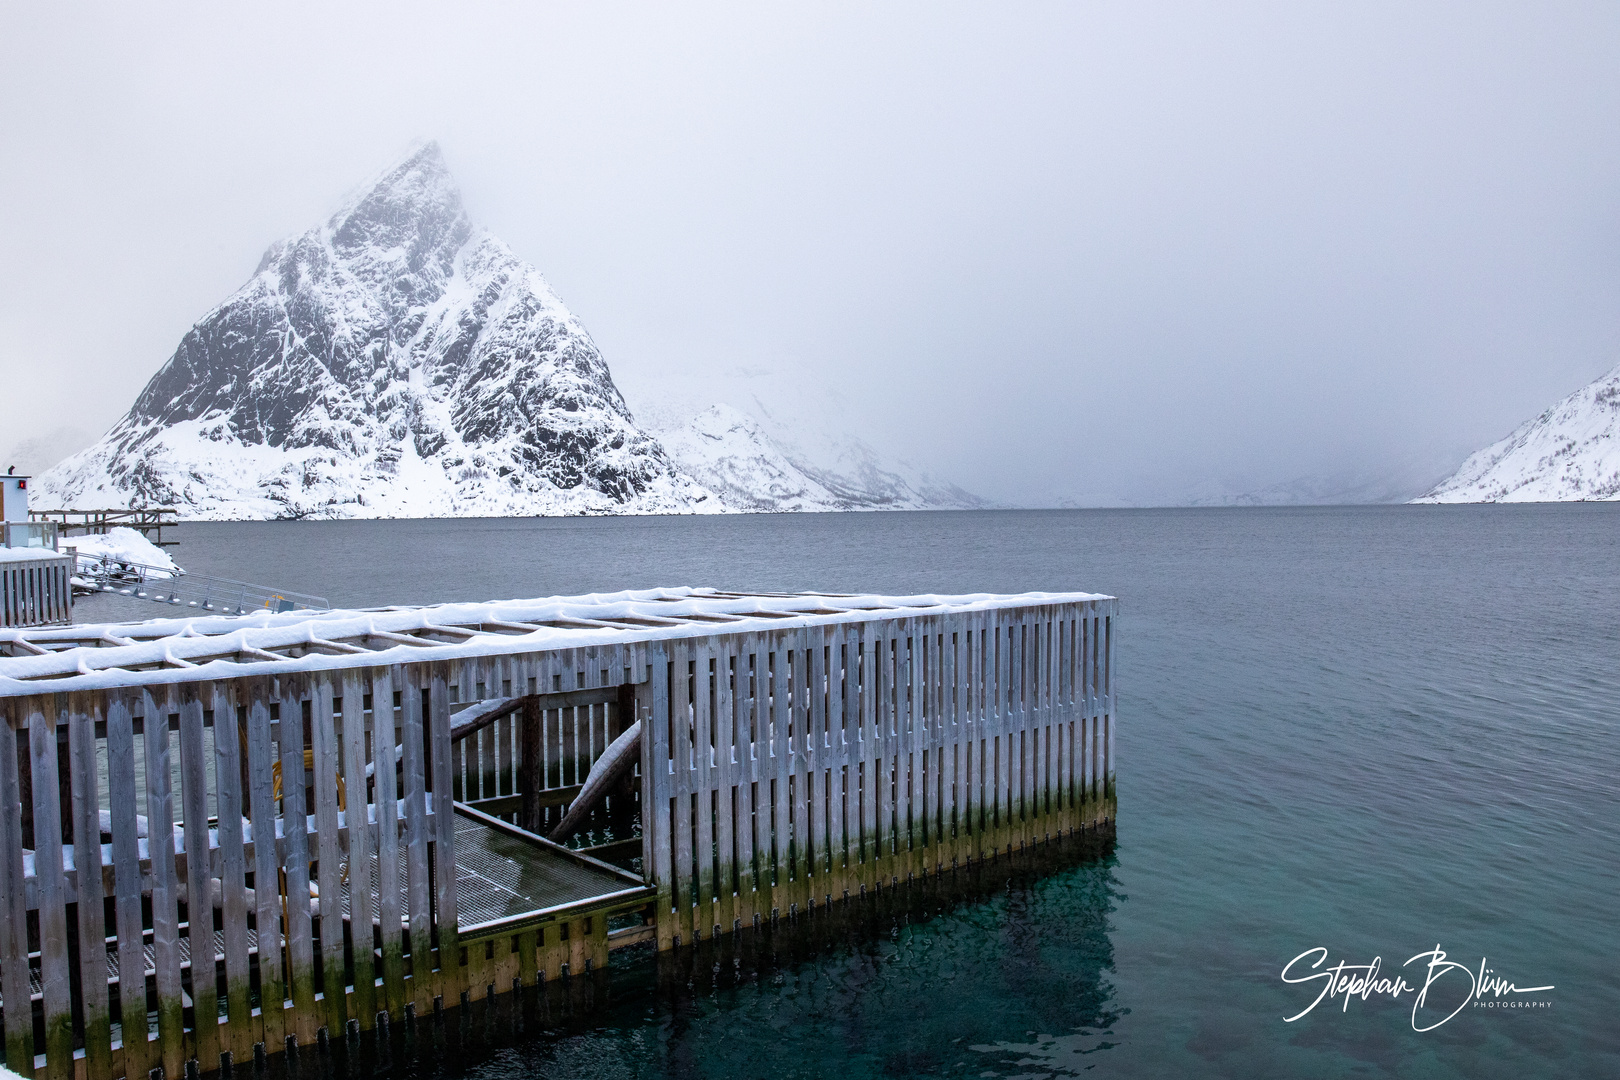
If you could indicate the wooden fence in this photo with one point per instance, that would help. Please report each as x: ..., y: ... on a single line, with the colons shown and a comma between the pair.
x: 795, y: 768
x: 36, y: 589
x: 155, y: 773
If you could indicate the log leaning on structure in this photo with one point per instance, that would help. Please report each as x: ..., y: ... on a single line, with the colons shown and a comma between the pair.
x: 788, y: 752
x: 616, y: 762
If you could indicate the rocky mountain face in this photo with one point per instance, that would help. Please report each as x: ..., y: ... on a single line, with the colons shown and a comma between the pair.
x: 399, y: 361
x: 1570, y: 453
x: 396, y: 361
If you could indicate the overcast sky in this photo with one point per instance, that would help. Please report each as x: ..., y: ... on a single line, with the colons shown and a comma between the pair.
x: 1101, y: 252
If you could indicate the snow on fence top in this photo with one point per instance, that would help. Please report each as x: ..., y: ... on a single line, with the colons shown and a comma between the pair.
x: 93, y: 657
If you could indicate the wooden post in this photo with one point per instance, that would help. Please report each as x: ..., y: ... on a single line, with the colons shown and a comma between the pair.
x: 531, y: 769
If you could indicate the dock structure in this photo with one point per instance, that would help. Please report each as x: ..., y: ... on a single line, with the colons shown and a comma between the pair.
x: 298, y: 825
x: 148, y: 520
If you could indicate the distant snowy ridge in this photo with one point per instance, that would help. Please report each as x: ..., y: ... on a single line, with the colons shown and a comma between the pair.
x: 1570, y: 453
x: 33, y: 456
x: 394, y: 362
x: 741, y: 449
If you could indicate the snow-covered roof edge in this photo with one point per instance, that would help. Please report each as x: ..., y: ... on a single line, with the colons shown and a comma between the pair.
x: 104, y: 656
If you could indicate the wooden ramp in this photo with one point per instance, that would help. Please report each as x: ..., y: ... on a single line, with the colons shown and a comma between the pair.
x: 508, y: 880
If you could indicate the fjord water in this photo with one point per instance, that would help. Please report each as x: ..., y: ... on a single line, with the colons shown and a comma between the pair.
x: 1370, y: 729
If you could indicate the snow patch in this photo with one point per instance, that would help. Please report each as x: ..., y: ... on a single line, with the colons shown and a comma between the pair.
x: 121, y: 549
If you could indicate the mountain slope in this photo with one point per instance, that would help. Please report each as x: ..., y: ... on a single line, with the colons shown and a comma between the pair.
x: 731, y: 441
x: 1570, y: 453
x: 395, y: 361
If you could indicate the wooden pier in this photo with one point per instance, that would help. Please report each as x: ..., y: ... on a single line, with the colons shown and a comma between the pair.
x: 369, y: 789
x: 150, y: 521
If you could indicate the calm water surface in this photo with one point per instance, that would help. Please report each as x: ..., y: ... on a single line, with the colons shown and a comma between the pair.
x: 1372, y: 729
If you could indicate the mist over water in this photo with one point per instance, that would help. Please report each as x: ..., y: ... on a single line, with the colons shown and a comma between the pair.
x: 1370, y: 729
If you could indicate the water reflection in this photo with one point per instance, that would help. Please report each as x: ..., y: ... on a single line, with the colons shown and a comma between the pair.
x: 964, y: 974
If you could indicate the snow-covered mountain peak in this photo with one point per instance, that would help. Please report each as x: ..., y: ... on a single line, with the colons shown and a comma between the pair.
x: 397, y: 360
x: 394, y: 361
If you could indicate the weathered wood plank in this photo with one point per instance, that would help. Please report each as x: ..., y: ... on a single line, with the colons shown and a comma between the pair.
x: 19, y: 1022
x: 362, y: 848
x: 390, y: 920
x: 122, y: 804
x: 870, y: 752
x: 83, y: 713
x: 958, y: 737
x: 901, y: 747
x: 295, y: 800
x: 744, y: 722
x: 165, y: 884
x: 781, y: 771
x: 657, y: 767
x: 685, y: 768
x: 837, y: 762
x: 199, y: 872
x: 268, y: 887
x: 703, y: 655
x: 328, y: 856
x: 814, y: 712
x: 55, y: 979
x: 414, y: 794
x: 450, y: 981
x: 237, y: 1034
x: 722, y: 722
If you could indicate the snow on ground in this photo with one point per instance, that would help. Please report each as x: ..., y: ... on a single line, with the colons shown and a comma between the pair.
x: 1570, y: 453
x: 119, y: 548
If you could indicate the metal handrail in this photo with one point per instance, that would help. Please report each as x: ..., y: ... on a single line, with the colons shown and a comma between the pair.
x: 176, y: 587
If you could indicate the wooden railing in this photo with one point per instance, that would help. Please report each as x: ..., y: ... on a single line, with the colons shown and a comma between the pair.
x: 149, y: 520
x: 524, y: 759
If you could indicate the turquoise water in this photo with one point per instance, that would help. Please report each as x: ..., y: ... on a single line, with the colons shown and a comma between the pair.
x: 1372, y: 730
